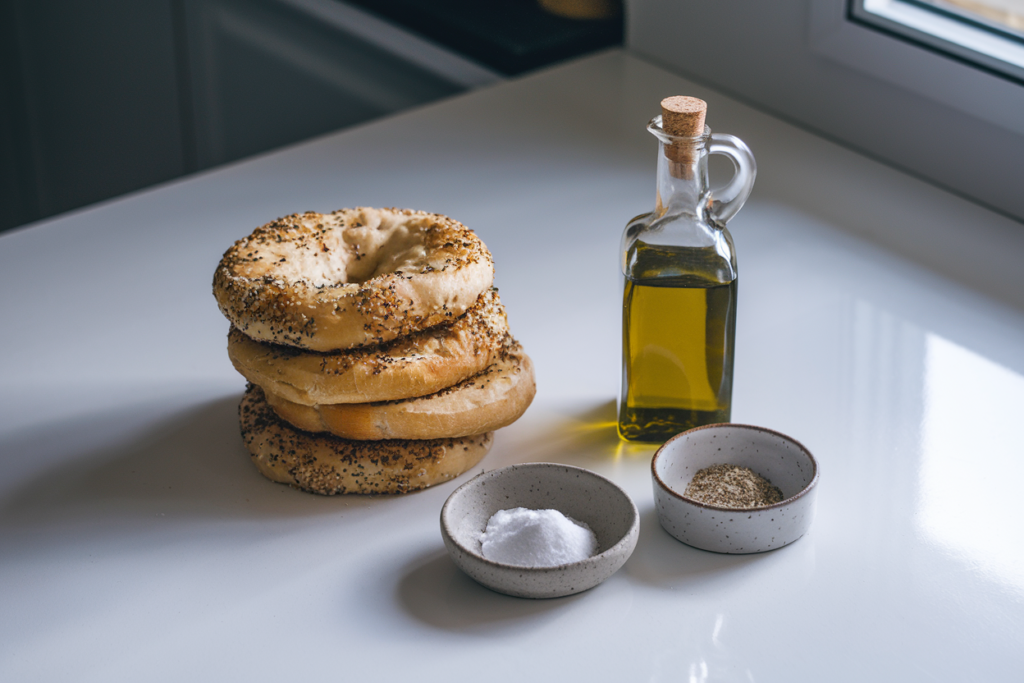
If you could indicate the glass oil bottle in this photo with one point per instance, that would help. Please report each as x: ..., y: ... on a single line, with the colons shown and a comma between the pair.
x: 679, y: 294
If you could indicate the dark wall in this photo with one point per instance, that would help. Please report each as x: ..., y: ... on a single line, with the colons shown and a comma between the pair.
x: 18, y: 203
x: 90, y: 105
x: 101, y: 98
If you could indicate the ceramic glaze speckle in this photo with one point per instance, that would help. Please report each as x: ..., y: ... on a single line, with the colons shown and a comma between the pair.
x: 778, y: 458
x: 573, y: 491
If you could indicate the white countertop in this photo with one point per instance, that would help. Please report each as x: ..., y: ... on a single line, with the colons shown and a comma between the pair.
x: 880, y: 323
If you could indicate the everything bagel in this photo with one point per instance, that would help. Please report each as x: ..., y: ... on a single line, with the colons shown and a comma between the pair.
x: 325, y: 464
x: 417, y: 365
x: 492, y: 399
x: 351, y: 278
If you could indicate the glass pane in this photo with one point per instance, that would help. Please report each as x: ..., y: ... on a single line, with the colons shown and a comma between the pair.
x: 988, y: 34
x: 1005, y: 16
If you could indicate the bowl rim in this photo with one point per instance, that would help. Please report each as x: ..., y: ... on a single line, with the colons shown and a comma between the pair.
x: 606, y: 554
x: 717, y: 425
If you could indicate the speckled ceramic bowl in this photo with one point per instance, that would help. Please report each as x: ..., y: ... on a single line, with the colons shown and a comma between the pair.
x: 776, y: 457
x: 573, y: 491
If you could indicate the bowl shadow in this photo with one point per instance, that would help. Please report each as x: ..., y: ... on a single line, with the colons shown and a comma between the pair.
x: 437, y: 593
x: 662, y: 561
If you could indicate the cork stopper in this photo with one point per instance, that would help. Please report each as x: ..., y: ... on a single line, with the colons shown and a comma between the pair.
x: 682, y: 117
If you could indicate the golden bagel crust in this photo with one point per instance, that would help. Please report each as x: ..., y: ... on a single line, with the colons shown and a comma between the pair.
x: 416, y: 365
x: 492, y: 399
x: 325, y: 464
x: 351, y: 278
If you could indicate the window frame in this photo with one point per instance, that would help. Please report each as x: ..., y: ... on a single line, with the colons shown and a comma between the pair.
x: 836, y: 35
x: 809, y: 62
x: 981, y: 45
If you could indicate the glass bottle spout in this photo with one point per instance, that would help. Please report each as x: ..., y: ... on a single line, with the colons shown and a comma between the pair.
x: 683, y: 186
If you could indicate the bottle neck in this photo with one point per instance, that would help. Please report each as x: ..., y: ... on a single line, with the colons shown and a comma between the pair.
x: 683, y: 186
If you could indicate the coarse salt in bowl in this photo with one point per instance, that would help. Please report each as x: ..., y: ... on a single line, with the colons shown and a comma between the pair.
x: 776, y: 457
x: 576, y: 492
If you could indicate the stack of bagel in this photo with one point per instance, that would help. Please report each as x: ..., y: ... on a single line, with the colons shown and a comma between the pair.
x: 377, y: 352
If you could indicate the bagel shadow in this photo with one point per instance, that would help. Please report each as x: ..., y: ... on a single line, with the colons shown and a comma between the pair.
x: 190, y: 465
x: 437, y: 593
x: 664, y: 562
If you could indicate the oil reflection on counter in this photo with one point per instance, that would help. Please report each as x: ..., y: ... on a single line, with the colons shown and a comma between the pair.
x: 586, y: 436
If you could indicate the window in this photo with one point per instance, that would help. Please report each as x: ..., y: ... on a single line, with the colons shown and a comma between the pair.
x: 891, y: 95
x: 988, y: 34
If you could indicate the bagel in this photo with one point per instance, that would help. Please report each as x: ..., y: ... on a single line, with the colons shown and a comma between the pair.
x: 351, y: 278
x: 325, y: 464
x: 492, y: 399
x: 416, y: 365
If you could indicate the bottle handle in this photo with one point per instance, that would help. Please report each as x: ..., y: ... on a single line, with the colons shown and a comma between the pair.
x: 727, y: 202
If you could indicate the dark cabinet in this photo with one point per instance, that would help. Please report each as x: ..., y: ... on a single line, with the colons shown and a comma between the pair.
x: 264, y: 73
x: 100, y: 99
x: 90, y: 105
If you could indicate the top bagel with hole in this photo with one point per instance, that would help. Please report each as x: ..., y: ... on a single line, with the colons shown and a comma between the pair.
x: 351, y: 278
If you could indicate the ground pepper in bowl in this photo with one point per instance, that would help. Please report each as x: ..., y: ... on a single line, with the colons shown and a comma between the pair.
x: 732, y: 486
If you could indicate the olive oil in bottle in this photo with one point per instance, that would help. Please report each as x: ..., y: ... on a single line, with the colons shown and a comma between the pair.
x: 678, y: 331
x: 679, y: 292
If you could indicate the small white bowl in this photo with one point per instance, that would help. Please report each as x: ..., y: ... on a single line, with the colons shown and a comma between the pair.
x: 776, y: 457
x: 575, y: 492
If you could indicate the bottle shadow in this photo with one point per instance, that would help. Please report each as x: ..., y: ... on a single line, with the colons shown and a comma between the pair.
x: 190, y: 465
x: 584, y: 438
x: 437, y: 593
